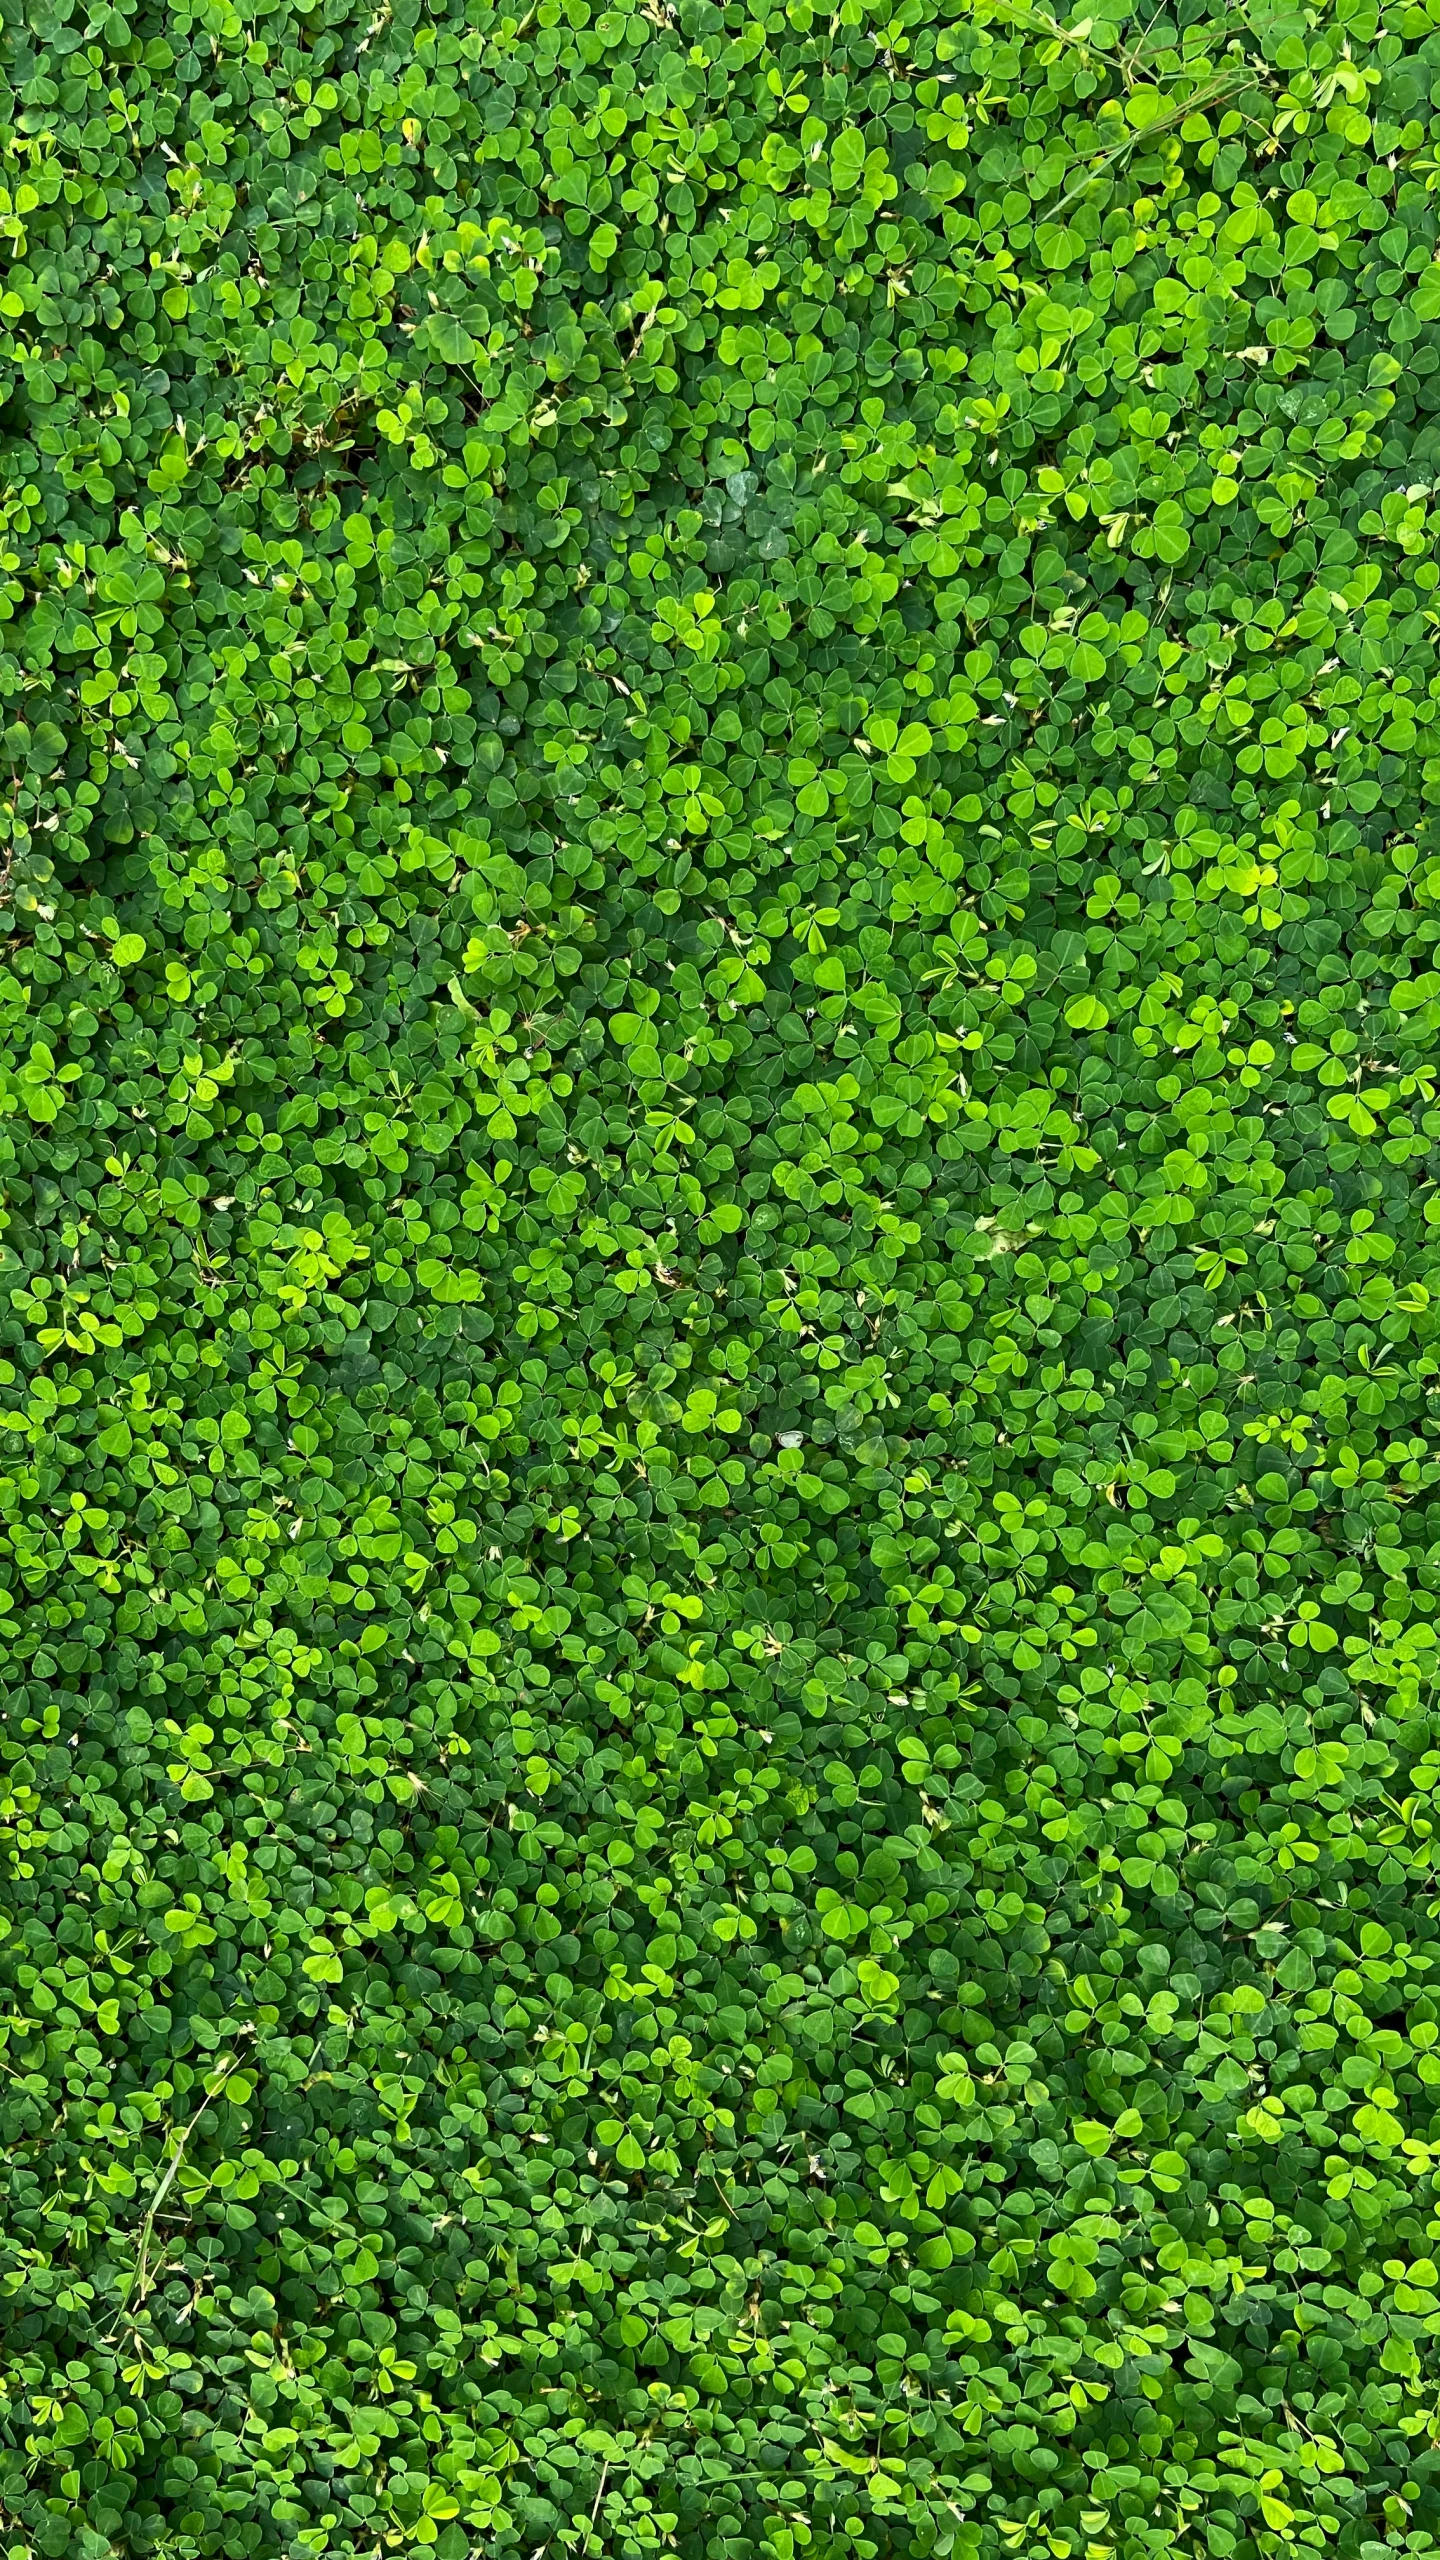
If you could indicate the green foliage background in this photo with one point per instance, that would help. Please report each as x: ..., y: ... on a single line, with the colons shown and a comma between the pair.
x: 721, y: 1522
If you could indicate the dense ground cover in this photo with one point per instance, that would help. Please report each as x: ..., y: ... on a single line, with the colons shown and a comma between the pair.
x: 721, y: 1523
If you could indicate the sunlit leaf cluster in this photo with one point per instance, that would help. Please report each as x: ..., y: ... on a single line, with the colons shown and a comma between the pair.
x: 719, y: 1183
